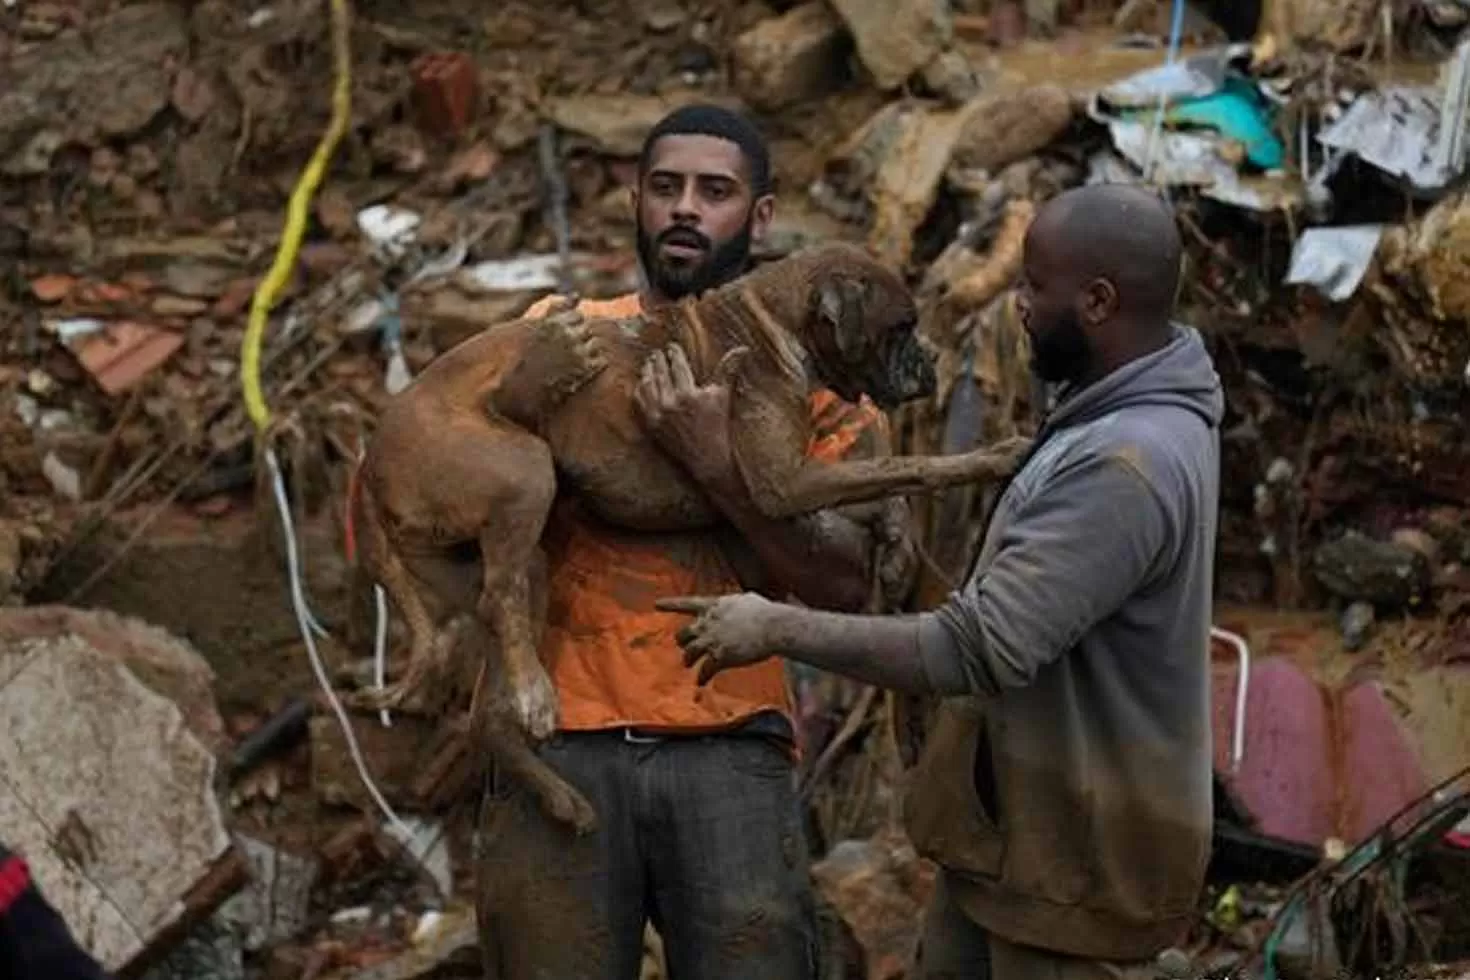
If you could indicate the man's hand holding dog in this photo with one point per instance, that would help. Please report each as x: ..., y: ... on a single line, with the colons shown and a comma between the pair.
x: 689, y: 421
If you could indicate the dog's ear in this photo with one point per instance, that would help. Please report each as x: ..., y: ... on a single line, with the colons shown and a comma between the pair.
x: 839, y: 303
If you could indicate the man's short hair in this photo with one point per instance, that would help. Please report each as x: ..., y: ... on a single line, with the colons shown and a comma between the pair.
x: 702, y: 119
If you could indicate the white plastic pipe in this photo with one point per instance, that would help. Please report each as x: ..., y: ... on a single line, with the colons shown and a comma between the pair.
x: 1242, y: 688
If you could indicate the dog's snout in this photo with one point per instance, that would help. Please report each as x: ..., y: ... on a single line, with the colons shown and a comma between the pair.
x: 917, y: 375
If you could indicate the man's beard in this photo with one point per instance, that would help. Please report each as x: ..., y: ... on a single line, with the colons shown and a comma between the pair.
x: 1061, y: 353
x: 720, y: 264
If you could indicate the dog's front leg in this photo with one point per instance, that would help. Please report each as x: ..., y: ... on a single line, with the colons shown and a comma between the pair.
x: 816, y: 485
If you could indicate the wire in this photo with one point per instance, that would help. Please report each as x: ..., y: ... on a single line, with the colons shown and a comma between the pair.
x: 1176, y: 32
x: 255, y: 404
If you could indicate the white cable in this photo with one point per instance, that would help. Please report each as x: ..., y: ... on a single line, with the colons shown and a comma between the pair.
x: 1242, y: 688
x: 298, y: 603
x: 380, y: 649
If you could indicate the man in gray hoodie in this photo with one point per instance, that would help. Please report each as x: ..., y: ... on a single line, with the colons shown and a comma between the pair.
x: 1065, y: 789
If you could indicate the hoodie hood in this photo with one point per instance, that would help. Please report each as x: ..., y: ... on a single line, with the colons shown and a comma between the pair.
x: 1179, y: 374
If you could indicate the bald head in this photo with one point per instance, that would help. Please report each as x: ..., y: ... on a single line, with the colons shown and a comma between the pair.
x: 1119, y: 233
x: 1101, y: 268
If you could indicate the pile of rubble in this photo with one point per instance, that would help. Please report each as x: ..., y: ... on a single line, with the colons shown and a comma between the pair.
x: 148, y: 151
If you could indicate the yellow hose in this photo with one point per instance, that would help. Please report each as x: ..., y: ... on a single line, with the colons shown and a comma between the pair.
x: 270, y: 287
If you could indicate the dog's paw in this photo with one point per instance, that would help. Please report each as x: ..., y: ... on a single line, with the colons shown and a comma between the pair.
x: 1005, y: 456
x: 535, y: 705
x: 1001, y: 459
x: 565, y: 805
x: 571, y: 354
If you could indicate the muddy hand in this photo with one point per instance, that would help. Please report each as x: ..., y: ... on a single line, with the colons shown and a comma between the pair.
x: 729, y: 631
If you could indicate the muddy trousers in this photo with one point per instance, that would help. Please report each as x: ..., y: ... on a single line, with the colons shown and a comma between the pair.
x: 953, y: 947
x: 700, y: 835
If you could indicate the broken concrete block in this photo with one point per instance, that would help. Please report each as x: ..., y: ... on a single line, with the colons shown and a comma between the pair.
x: 108, y: 793
x: 896, y: 38
x: 789, y: 58
x: 164, y: 663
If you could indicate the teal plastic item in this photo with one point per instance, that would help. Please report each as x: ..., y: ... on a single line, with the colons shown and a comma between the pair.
x: 1236, y: 112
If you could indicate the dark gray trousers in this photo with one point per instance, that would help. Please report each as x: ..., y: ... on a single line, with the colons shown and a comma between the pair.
x: 701, y: 835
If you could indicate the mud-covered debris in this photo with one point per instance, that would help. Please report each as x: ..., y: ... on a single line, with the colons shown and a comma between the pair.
x: 399, y: 755
x: 442, y: 942
x: 1356, y: 624
x: 795, y: 56
x: 797, y: 225
x: 211, y: 951
x: 1337, y: 25
x: 896, y: 163
x: 274, y: 907
x: 880, y: 888
x: 1431, y: 258
x: 1009, y: 126
x: 10, y: 558
x: 616, y: 124
x: 1356, y: 567
x: 86, y: 87
x: 974, y: 280
x: 952, y: 77
x: 896, y: 38
x: 108, y: 792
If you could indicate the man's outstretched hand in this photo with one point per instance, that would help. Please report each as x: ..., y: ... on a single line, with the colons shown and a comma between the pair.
x: 728, y: 631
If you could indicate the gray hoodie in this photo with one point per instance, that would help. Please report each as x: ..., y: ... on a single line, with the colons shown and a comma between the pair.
x: 1066, y: 788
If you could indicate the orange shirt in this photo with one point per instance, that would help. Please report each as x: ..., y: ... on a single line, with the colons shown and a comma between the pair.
x: 614, y: 657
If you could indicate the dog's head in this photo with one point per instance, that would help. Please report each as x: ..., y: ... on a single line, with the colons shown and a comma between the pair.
x: 863, y: 323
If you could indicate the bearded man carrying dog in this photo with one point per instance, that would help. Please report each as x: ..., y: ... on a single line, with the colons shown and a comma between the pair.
x: 1065, y: 790
x: 699, y: 826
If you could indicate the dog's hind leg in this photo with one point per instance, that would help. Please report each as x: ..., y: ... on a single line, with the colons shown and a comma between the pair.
x: 382, y: 564
x: 520, y: 479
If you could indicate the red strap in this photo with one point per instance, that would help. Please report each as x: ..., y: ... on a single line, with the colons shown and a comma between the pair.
x: 349, y: 523
x: 15, y: 878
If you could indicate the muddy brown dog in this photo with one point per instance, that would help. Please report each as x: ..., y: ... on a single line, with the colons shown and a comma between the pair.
x: 473, y: 451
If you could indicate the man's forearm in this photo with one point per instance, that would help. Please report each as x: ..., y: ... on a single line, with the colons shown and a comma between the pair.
x: 878, y: 650
x: 821, y: 558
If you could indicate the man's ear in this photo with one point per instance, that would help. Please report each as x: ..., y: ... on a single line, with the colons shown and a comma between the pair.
x: 761, y: 215
x: 839, y: 302
x: 1099, y: 301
